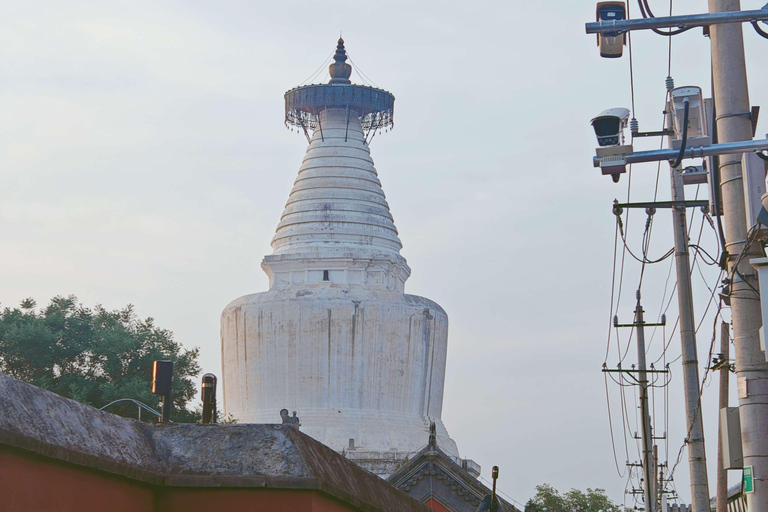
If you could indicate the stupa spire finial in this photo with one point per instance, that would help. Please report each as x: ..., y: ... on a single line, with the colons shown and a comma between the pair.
x: 305, y: 104
x: 340, y: 71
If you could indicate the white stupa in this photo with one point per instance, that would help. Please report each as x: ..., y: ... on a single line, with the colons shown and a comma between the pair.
x: 336, y: 338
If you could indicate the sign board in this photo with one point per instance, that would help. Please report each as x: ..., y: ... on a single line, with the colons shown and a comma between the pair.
x: 730, y: 437
x: 761, y: 265
x: 749, y: 482
x: 741, y: 383
x: 753, y: 171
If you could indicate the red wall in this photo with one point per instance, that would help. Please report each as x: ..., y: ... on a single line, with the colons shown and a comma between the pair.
x: 435, y: 505
x: 35, y: 484
x: 272, y: 500
x: 30, y: 483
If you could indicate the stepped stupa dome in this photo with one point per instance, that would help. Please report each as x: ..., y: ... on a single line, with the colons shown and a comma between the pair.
x: 335, y: 337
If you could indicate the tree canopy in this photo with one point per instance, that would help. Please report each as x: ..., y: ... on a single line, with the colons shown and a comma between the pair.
x: 549, y: 499
x: 94, y: 355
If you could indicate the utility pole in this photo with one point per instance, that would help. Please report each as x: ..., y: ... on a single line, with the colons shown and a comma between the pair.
x: 734, y: 124
x: 649, y: 473
x: 697, y: 457
x: 658, y: 485
x: 725, y: 371
x: 649, y: 461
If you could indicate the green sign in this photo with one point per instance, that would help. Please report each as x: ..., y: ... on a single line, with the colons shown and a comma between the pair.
x: 749, y: 482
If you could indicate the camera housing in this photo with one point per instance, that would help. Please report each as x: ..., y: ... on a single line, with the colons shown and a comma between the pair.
x: 609, y: 126
x: 698, y: 121
x: 611, y: 44
x: 609, y: 129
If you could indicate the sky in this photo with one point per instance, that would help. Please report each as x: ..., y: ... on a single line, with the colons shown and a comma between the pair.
x: 144, y: 161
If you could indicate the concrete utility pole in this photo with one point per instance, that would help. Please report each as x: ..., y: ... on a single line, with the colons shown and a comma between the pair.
x: 734, y: 124
x: 725, y: 371
x: 649, y: 473
x: 697, y: 457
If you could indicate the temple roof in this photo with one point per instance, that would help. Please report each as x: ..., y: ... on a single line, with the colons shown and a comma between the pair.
x: 248, y: 455
x: 432, y: 474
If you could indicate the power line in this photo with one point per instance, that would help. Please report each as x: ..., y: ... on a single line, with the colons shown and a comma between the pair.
x: 365, y: 78
x: 701, y: 389
x: 502, y: 492
x: 645, y: 10
x: 318, y: 70
x: 610, y: 426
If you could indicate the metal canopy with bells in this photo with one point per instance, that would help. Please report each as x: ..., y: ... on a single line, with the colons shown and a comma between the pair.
x: 375, y: 107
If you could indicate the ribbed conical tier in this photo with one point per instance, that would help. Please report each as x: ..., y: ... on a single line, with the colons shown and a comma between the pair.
x: 336, y: 225
x: 337, y: 200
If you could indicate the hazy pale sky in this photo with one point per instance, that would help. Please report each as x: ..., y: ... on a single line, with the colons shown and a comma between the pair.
x: 143, y: 160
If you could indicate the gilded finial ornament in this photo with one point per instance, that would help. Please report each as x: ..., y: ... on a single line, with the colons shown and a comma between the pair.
x: 340, y: 71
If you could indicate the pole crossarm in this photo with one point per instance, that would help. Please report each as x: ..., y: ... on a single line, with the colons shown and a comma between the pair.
x: 658, y: 155
x: 689, y: 20
x: 641, y: 379
x: 653, y: 134
x: 621, y: 370
x: 636, y: 325
x: 663, y: 204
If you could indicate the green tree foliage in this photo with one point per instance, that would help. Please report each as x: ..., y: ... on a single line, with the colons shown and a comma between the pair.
x: 94, y: 356
x: 549, y: 499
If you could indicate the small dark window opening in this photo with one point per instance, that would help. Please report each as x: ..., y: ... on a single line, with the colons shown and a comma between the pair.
x: 325, y: 275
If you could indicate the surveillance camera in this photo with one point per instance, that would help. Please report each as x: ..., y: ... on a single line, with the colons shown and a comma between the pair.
x: 609, y: 126
x: 609, y: 129
x: 611, y: 44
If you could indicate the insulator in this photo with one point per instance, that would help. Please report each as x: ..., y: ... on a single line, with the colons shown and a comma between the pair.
x: 637, y: 294
x: 670, y: 83
x: 634, y: 126
x: 663, y: 318
x: 615, y: 320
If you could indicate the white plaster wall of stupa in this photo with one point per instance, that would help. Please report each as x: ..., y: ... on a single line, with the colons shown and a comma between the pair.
x: 336, y: 338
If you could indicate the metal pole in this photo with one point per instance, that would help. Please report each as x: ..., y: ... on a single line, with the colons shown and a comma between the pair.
x: 722, y: 474
x: 731, y: 104
x: 688, y: 20
x: 649, y: 475
x: 657, y: 484
x: 732, y: 148
x: 167, y: 407
x: 697, y: 457
x: 494, y: 476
